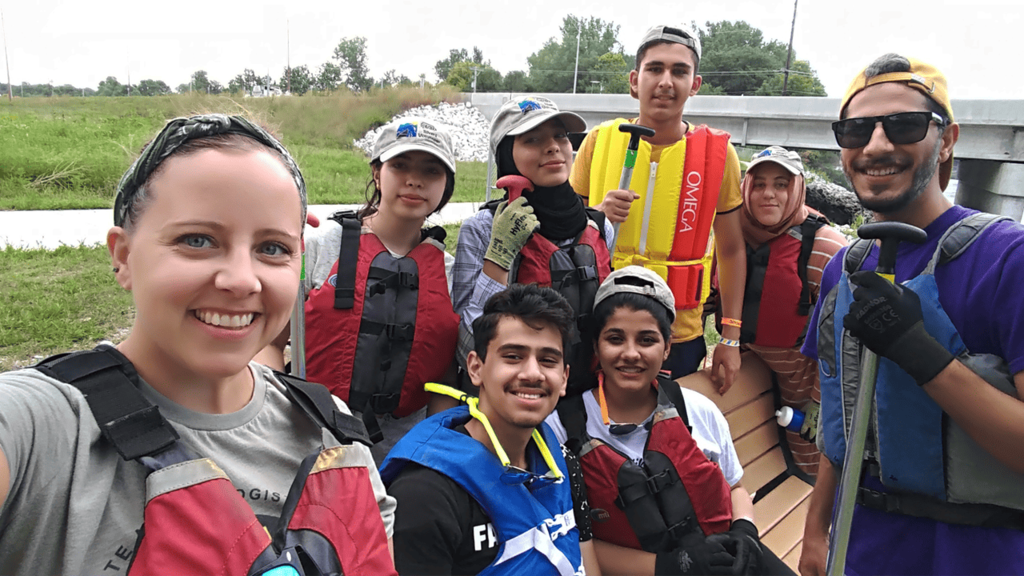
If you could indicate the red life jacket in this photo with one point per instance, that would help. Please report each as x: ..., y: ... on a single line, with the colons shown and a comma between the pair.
x: 394, y: 314
x: 676, y: 493
x: 777, y: 297
x: 575, y: 271
x: 195, y: 522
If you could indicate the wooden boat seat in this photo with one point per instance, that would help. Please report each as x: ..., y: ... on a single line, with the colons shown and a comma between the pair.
x: 781, y: 497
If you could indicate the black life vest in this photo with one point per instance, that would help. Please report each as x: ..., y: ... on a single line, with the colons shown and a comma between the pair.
x: 675, y: 496
x: 575, y: 271
x: 393, y: 314
x: 195, y: 522
x: 777, y: 298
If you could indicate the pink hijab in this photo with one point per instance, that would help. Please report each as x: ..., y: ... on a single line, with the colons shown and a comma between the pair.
x: 794, y: 212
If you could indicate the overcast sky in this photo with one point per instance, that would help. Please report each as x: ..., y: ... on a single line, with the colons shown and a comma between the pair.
x: 976, y: 43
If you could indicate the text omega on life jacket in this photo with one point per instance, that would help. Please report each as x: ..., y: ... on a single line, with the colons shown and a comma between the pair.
x: 690, y: 203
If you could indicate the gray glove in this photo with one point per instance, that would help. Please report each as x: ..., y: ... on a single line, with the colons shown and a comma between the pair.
x: 513, y: 225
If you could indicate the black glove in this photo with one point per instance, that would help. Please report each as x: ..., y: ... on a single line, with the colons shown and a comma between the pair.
x: 701, y: 557
x: 887, y: 319
x: 743, y: 544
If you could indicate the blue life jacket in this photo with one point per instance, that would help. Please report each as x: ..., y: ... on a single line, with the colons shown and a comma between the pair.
x: 913, y: 447
x: 534, y: 522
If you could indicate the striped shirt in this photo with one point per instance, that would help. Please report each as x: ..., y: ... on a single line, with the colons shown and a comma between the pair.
x: 796, y: 374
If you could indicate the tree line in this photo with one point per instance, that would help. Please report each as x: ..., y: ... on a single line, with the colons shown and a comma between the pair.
x: 737, y: 60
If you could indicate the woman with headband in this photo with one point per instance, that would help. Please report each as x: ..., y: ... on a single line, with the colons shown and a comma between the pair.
x: 173, y: 452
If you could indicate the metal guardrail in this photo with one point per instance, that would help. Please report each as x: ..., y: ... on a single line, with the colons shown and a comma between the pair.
x: 989, y: 129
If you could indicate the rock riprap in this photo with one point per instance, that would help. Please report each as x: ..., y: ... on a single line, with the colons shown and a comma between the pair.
x: 469, y: 129
x: 837, y: 203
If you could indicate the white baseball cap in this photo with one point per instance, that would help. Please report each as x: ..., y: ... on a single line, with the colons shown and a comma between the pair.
x: 517, y: 117
x: 637, y: 280
x: 411, y: 133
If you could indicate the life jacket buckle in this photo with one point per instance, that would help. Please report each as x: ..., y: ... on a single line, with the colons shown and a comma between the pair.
x: 677, y: 531
x: 561, y: 527
x: 663, y: 480
x: 409, y: 280
x: 379, y: 287
x: 400, y: 332
x: 383, y: 403
x: 878, y: 500
x: 586, y: 273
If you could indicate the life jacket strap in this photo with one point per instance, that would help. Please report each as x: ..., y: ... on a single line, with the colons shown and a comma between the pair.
x: 652, y: 485
x: 542, y: 539
x: 348, y: 258
x: 472, y: 403
x: 808, y: 229
x: 908, y: 504
x: 670, y: 388
x: 388, y: 279
x: 318, y: 404
x: 109, y: 382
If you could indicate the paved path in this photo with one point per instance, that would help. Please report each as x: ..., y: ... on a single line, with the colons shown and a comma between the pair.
x: 52, y: 228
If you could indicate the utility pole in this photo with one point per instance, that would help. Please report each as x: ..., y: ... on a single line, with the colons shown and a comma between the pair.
x: 129, y: 86
x: 10, y: 94
x: 475, y: 69
x: 288, y: 61
x: 785, y: 76
x: 576, y: 70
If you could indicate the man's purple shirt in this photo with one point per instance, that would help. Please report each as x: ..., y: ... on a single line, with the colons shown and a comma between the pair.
x: 982, y: 292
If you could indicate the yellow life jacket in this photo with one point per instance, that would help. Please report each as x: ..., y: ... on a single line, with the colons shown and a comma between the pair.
x: 669, y: 227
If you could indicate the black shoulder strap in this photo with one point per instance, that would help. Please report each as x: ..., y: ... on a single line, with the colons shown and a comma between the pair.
x: 808, y: 231
x: 671, y: 389
x: 348, y: 257
x: 492, y: 206
x: 573, y: 414
x: 856, y: 254
x: 598, y: 217
x: 316, y: 401
x: 109, y: 383
x: 436, y: 232
x: 961, y: 235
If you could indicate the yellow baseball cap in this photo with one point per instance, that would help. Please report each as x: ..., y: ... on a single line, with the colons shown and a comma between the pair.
x: 921, y: 76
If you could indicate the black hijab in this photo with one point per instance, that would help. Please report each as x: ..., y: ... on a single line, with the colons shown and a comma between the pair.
x: 559, y: 209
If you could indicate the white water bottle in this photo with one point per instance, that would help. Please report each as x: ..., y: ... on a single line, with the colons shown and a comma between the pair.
x: 790, y: 418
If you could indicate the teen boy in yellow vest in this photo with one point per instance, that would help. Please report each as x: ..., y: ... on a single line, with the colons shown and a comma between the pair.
x: 667, y: 227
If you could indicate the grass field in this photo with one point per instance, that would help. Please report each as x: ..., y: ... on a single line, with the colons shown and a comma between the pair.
x: 67, y: 299
x: 65, y: 153
x: 58, y: 300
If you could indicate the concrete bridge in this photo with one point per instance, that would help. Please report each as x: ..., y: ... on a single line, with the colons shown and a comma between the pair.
x: 989, y: 154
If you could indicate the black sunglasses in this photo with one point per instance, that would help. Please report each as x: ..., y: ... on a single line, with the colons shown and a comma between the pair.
x: 620, y: 429
x: 900, y: 128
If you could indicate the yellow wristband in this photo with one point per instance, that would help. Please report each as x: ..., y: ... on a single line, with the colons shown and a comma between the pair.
x: 732, y: 322
x: 730, y: 343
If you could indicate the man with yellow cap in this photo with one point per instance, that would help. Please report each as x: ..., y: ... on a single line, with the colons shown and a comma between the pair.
x: 943, y: 487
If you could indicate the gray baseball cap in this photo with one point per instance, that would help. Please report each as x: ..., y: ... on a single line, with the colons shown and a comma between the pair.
x: 637, y: 280
x: 521, y: 115
x: 785, y: 158
x: 676, y: 34
x: 412, y: 133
